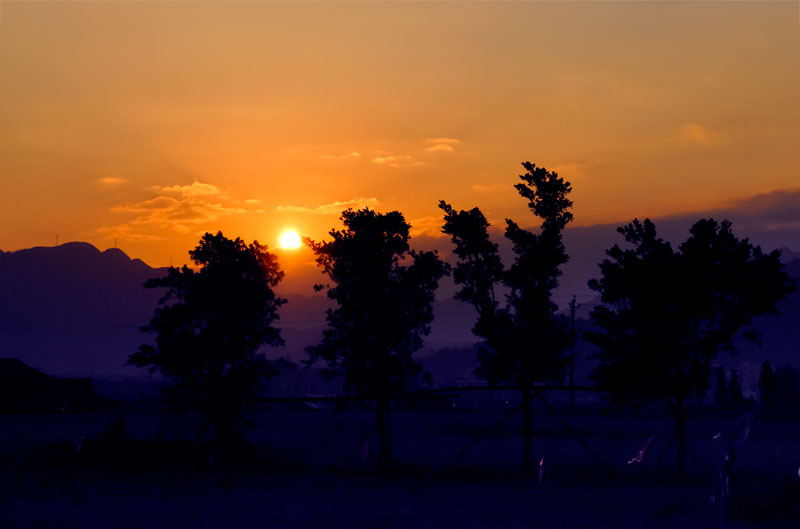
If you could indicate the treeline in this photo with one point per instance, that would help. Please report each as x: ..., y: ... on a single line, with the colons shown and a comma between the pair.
x: 666, y: 312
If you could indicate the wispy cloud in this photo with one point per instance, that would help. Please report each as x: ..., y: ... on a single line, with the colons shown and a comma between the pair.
x: 126, y: 232
x: 403, y: 160
x: 348, y: 156
x: 491, y: 188
x: 431, y: 226
x: 441, y: 144
x: 434, y: 145
x: 110, y: 180
x: 449, y: 141
x: 698, y: 134
x: 440, y: 147
x: 179, y: 208
x: 774, y: 209
x: 334, y: 208
x: 195, y: 189
x: 570, y: 171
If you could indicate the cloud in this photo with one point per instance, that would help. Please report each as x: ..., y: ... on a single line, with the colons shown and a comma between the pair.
x: 770, y: 219
x: 110, y: 180
x: 180, y: 208
x: 699, y: 135
x: 430, y: 226
x: 126, y: 233
x: 492, y: 188
x: 195, y: 189
x: 436, y: 145
x: 440, y: 147
x: 448, y: 141
x: 570, y: 171
x: 441, y: 144
x: 334, y: 208
x: 396, y: 161
x: 349, y: 156
x: 771, y: 210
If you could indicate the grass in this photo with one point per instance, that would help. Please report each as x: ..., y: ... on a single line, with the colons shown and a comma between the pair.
x: 67, y: 499
x: 309, y: 476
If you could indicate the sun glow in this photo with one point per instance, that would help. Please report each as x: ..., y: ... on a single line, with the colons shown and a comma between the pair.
x: 290, y: 240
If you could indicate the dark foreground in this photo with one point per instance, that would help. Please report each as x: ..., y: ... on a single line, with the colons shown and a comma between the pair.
x: 81, y: 499
x: 306, y: 472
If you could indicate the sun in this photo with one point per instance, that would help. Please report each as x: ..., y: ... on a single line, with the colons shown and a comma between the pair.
x: 290, y: 240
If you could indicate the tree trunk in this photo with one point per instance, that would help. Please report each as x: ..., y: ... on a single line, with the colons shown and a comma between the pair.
x: 527, y: 433
x: 388, y: 409
x: 572, y: 383
x: 680, y: 437
x: 384, y: 436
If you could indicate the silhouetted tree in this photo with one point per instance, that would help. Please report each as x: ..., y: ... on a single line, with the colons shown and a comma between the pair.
x: 666, y: 314
x: 767, y: 386
x: 384, y: 293
x: 735, y: 397
x: 523, y: 342
x: 209, y: 326
x: 720, y: 388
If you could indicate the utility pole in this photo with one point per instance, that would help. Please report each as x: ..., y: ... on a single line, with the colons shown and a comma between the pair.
x: 572, y: 307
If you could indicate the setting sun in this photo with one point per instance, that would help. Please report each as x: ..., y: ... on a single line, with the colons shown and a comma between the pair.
x: 290, y: 240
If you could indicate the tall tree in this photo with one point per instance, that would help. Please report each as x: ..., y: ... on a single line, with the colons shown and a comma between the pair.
x: 666, y: 314
x: 209, y: 326
x: 384, y: 292
x: 523, y: 341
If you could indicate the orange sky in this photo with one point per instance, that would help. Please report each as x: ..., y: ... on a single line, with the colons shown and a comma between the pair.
x: 150, y: 123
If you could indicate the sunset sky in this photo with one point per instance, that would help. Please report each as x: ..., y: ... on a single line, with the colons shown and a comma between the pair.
x: 150, y: 122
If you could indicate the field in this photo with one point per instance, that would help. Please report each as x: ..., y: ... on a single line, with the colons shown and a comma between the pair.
x: 307, y: 472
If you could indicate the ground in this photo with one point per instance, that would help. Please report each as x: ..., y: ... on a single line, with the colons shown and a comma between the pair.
x: 175, y: 501
x: 308, y: 474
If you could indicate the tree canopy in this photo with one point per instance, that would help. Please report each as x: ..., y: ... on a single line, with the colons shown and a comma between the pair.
x: 209, y: 326
x: 523, y: 340
x: 384, y: 293
x: 666, y: 313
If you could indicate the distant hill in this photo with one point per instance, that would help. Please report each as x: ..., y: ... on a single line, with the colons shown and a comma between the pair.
x: 72, y: 309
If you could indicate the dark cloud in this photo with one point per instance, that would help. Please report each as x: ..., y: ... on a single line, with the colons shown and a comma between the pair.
x: 773, y: 210
x: 770, y: 220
